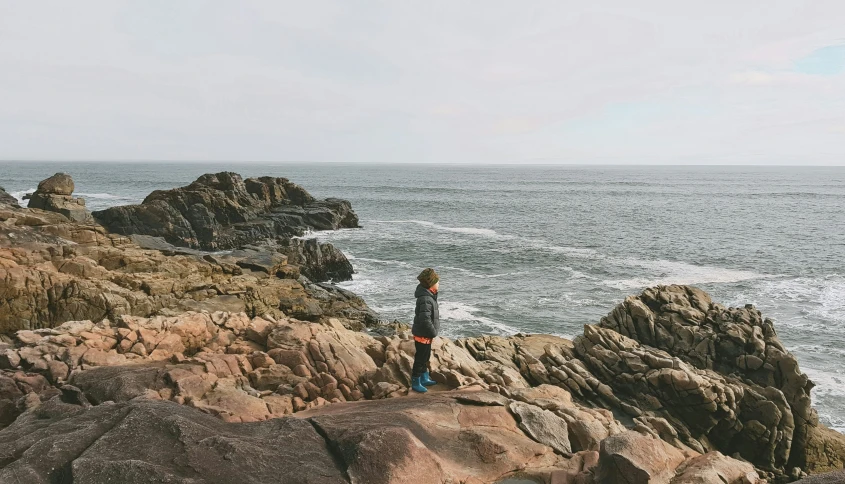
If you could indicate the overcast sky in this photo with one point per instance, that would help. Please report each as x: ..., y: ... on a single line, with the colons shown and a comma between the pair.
x: 731, y: 82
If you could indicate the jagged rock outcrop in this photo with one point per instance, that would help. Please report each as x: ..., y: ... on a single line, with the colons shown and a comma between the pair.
x: 763, y: 411
x: 223, y: 211
x: 53, y: 270
x: 55, y: 194
x: 319, y: 261
x: 243, y: 369
x: 704, y: 391
x: 6, y: 199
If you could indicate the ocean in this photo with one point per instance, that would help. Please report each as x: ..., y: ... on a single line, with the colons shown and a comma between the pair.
x: 547, y: 249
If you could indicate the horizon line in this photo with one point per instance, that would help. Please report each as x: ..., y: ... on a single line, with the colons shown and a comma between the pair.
x: 487, y: 163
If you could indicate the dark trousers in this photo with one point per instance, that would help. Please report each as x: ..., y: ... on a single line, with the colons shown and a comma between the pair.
x: 421, y: 358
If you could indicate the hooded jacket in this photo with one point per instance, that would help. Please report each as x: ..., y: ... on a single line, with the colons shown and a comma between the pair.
x: 427, y: 314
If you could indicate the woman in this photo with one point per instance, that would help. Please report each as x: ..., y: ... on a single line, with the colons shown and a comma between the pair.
x: 426, y: 326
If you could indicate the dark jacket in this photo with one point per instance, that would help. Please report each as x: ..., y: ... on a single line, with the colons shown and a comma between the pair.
x: 426, y: 315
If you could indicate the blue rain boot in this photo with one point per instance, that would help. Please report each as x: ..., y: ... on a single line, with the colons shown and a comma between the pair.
x: 416, y: 384
x: 426, y: 380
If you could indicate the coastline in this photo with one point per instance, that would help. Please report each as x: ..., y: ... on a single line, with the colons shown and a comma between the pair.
x: 584, y: 378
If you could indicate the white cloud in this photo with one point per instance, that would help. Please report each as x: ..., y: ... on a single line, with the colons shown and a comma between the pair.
x: 439, y: 81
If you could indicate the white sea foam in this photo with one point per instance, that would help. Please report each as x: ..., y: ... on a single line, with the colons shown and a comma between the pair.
x: 582, y: 252
x: 19, y: 196
x: 822, y: 297
x: 829, y: 389
x: 381, y: 261
x: 460, y: 230
x: 103, y: 196
x: 465, y: 313
x: 828, y: 383
x: 670, y: 272
x: 476, y: 275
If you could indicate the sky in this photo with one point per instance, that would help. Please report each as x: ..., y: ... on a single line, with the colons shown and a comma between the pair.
x: 599, y: 82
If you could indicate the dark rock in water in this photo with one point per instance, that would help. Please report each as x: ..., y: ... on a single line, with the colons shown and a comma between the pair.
x: 55, y: 195
x: 6, y: 199
x: 153, y: 441
x: 223, y: 211
x: 319, y: 262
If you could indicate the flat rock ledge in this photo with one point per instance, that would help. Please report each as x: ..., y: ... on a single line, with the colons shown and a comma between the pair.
x: 197, y: 395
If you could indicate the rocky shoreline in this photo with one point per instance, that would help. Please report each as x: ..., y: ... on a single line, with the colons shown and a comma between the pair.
x: 131, y: 354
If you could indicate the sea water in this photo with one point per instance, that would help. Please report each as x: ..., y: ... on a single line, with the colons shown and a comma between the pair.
x: 547, y: 249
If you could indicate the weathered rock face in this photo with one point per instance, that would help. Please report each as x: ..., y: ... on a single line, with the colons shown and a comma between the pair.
x: 696, y: 402
x: 319, y: 262
x: 223, y: 211
x: 6, y: 199
x: 763, y: 414
x: 55, y: 195
x: 243, y: 369
x: 634, y: 458
x: 53, y: 270
x: 439, y: 438
x: 149, y: 441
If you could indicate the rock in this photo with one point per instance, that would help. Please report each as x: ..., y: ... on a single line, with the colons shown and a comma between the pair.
x: 824, y: 451
x: 525, y: 403
x: 101, y: 444
x: 53, y: 270
x: 633, y: 458
x: 728, y: 363
x: 543, y: 426
x: 319, y: 261
x: 8, y: 200
x: 54, y: 195
x: 223, y: 211
x: 715, y: 467
x: 483, y: 398
x: 58, y: 184
x: 394, y: 441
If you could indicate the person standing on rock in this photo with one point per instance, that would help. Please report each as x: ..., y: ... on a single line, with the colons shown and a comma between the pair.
x: 426, y: 326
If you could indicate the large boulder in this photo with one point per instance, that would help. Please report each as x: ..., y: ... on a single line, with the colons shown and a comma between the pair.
x: 715, y: 467
x: 543, y: 426
x: 58, y: 184
x: 634, y: 458
x: 223, y: 211
x: 55, y: 195
x: 151, y: 441
x: 429, y: 439
x: 752, y: 398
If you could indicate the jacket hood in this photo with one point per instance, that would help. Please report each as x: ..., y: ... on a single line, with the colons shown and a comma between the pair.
x: 422, y: 291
